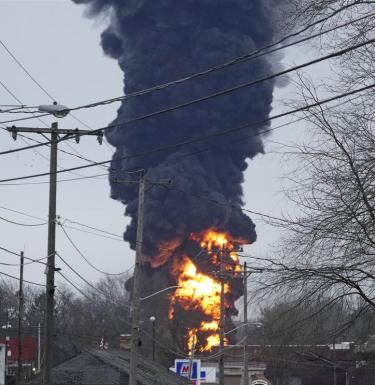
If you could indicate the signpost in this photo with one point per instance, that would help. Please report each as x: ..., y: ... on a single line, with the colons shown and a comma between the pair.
x: 199, y: 374
x: 2, y: 364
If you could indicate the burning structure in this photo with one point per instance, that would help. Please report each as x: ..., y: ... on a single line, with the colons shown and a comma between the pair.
x: 190, y: 228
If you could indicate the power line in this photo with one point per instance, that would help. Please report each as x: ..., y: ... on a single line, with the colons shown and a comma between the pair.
x: 96, y: 176
x: 93, y: 228
x: 16, y: 278
x: 84, y: 257
x: 92, y: 233
x: 251, y: 55
x: 23, y: 224
x: 112, y: 236
x: 26, y: 71
x: 27, y: 263
x: 42, y: 88
x: 26, y: 138
x: 21, y: 213
x: 205, y: 137
x: 80, y: 276
x: 75, y: 286
x: 219, y: 93
x: 28, y: 258
x: 77, y: 154
x: 142, y: 331
x: 177, y: 157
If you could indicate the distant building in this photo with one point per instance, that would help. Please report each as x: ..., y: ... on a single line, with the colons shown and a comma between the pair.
x: 302, y: 364
x: 29, y: 356
x: 109, y: 367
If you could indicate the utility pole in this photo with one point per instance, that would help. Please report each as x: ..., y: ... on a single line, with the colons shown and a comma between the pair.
x: 135, y: 309
x: 39, y: 348
x: 191, y: 360
x: 54, y: 131
x: 153, y: 320
x: 245, y: 352
x: 334, y: 360
x: 222, y: 319
x: 50, y: 282
x: 20, y: 317
x: 136, y: 278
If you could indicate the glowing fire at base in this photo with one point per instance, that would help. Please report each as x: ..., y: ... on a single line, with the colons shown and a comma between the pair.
x: 199, y: 292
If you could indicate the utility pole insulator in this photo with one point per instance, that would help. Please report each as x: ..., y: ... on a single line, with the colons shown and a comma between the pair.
x: 100, y: 137
x: 77, y: 136
x: 13, y: 132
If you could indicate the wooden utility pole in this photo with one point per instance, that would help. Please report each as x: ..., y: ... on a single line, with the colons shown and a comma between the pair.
x: 136, y: 300
x: 246, y: 329
x: 136, y: 278
x: 20, y: 317
x: 191, y: 360
x: 50, y: 282
x: 222, y: 319
x: 54, y: 131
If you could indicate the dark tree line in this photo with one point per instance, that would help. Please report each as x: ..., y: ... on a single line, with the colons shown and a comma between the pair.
x: 81, y: 319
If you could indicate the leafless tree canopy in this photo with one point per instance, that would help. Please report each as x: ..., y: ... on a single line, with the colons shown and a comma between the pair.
x: 328, y: 247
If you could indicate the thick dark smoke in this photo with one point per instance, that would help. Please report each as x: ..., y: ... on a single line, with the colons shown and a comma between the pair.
x: 157, y: 41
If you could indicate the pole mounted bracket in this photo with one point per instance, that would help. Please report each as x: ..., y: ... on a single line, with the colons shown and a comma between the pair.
x: 13, y: 131
x: 77, y: 135
x: 100, y: 137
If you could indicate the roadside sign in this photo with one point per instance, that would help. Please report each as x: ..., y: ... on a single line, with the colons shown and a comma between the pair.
x: 208, y: 374
x: 182, y: 368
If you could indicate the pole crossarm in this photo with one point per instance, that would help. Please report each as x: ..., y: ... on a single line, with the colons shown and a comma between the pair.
x: 55, y: 132
x: 75, y: 132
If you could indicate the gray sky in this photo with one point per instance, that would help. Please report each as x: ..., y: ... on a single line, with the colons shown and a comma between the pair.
x: 61, y: 50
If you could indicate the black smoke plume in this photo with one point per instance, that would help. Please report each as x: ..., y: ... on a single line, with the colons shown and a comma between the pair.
x: 158, y: 41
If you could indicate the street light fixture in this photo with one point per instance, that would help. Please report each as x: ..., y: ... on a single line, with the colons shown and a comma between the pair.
x: 57, y: 110
x: 158, y: 292
x: 153, y: 319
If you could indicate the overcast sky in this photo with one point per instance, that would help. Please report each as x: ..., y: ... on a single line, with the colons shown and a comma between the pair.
x: 60, y: 48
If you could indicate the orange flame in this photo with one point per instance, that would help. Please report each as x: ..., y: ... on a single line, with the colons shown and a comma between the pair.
x: 196, y: 290
x: 199, y: 292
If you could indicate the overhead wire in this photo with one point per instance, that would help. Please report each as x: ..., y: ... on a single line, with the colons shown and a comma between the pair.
x: 85, y: 258
x: 103, y: 234
x: 34, y: 260
x: 93, y: 228
x: 93, y: 233
x: 129, y: 324
x: 219, y: 93
x: 23, y: 224
x: 88, y: 283
x: 177, y: 157
x: 205, y: 137
x: 26, y: 138
x: 53, y: 99
x: 25, y: 280
x: 25, y: 70
x: 251, y: 55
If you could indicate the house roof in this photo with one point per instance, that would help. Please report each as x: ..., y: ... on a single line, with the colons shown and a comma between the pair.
x: 111, y: 367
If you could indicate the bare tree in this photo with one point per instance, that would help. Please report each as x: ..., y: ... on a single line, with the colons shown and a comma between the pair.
x: 329, y: 245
